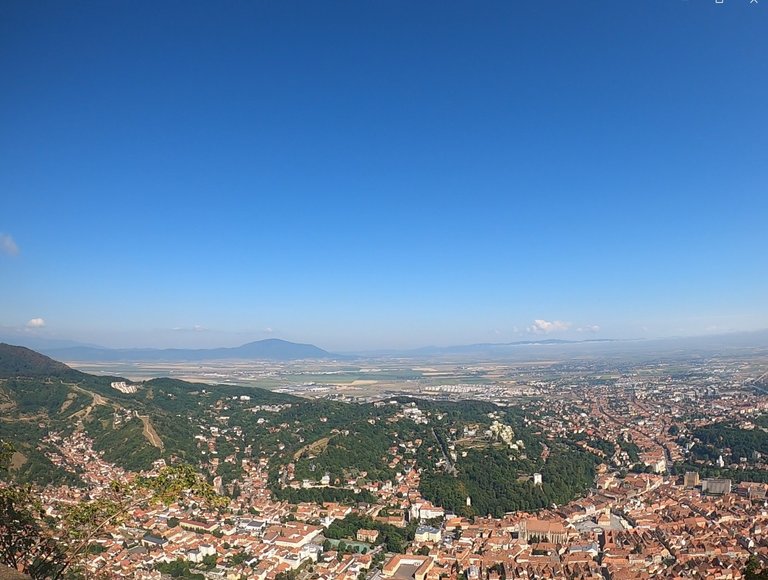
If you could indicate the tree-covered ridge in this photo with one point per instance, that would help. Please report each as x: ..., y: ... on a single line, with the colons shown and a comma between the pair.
x: 461, y: 449
x: 496, y: 486
x: 731, y: 441
x: 318, y: 450
x: 357, y: 451
x: 33, y: 403
x: 492, y: 460
x: 40, y: 395
x: 18, y: 361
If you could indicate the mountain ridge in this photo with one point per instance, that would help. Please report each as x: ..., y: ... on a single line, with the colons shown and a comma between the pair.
x: 23, y: 361
x: 39, y: 395
x: 267, y: 349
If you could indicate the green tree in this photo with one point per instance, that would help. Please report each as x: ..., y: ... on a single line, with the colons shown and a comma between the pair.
x: 178, y: 569
x: 673, y: 430
x: 26, y: 543
x: 752, y: 570
x: 6, y: 452
x: 44, y: 549
x: 86, y: 521
x: 209, y: 562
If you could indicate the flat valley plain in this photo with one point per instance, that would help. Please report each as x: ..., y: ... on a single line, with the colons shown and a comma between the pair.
x: 500, y: 377
x: 311, y: 378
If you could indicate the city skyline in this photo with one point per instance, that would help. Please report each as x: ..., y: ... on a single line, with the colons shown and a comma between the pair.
x: 382, y: 176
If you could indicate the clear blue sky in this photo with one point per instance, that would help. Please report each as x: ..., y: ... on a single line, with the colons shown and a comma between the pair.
x: 365, y: 174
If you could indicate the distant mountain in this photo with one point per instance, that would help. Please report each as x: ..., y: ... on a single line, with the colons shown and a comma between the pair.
x: 35, y: 342
x: 484, y: 348
x: 544, y: 349
x: 495, y: 346
x: 18, y: 361
x: 269, y: 349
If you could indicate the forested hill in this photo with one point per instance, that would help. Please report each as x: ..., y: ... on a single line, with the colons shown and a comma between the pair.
x: 317, y: 450
x: 159, y: 418
x: 18, y: 361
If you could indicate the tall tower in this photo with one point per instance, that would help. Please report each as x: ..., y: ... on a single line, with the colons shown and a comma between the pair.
x: 691, y: 479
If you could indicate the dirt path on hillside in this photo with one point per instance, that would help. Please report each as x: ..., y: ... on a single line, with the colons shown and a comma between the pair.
x: 97, y: 400
x: 150, y: 433
x: 312, y: 449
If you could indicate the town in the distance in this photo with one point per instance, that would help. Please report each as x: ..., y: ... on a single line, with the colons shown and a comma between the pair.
x: 542, y: 460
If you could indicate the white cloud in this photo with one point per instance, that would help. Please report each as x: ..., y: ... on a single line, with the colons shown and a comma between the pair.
x: 8, y: 245
x: 269, y: 330
x: 36, y: 323
x: 589, y: 328
x: 545, y: 326
x: 195, y: 328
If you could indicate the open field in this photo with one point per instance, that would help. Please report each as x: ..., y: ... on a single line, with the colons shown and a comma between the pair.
x: 442, y: 377
x: 367, y: 379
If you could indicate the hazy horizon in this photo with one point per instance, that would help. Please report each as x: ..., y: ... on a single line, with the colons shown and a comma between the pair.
x: 38, y: 341
x: 391, y: 175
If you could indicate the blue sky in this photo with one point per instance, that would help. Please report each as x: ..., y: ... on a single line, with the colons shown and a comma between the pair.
x: 382, y: 173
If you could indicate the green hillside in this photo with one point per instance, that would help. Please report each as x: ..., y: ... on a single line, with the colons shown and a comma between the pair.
x: 461, y: 449
x: 39, y: 395
x: 18, y: 361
